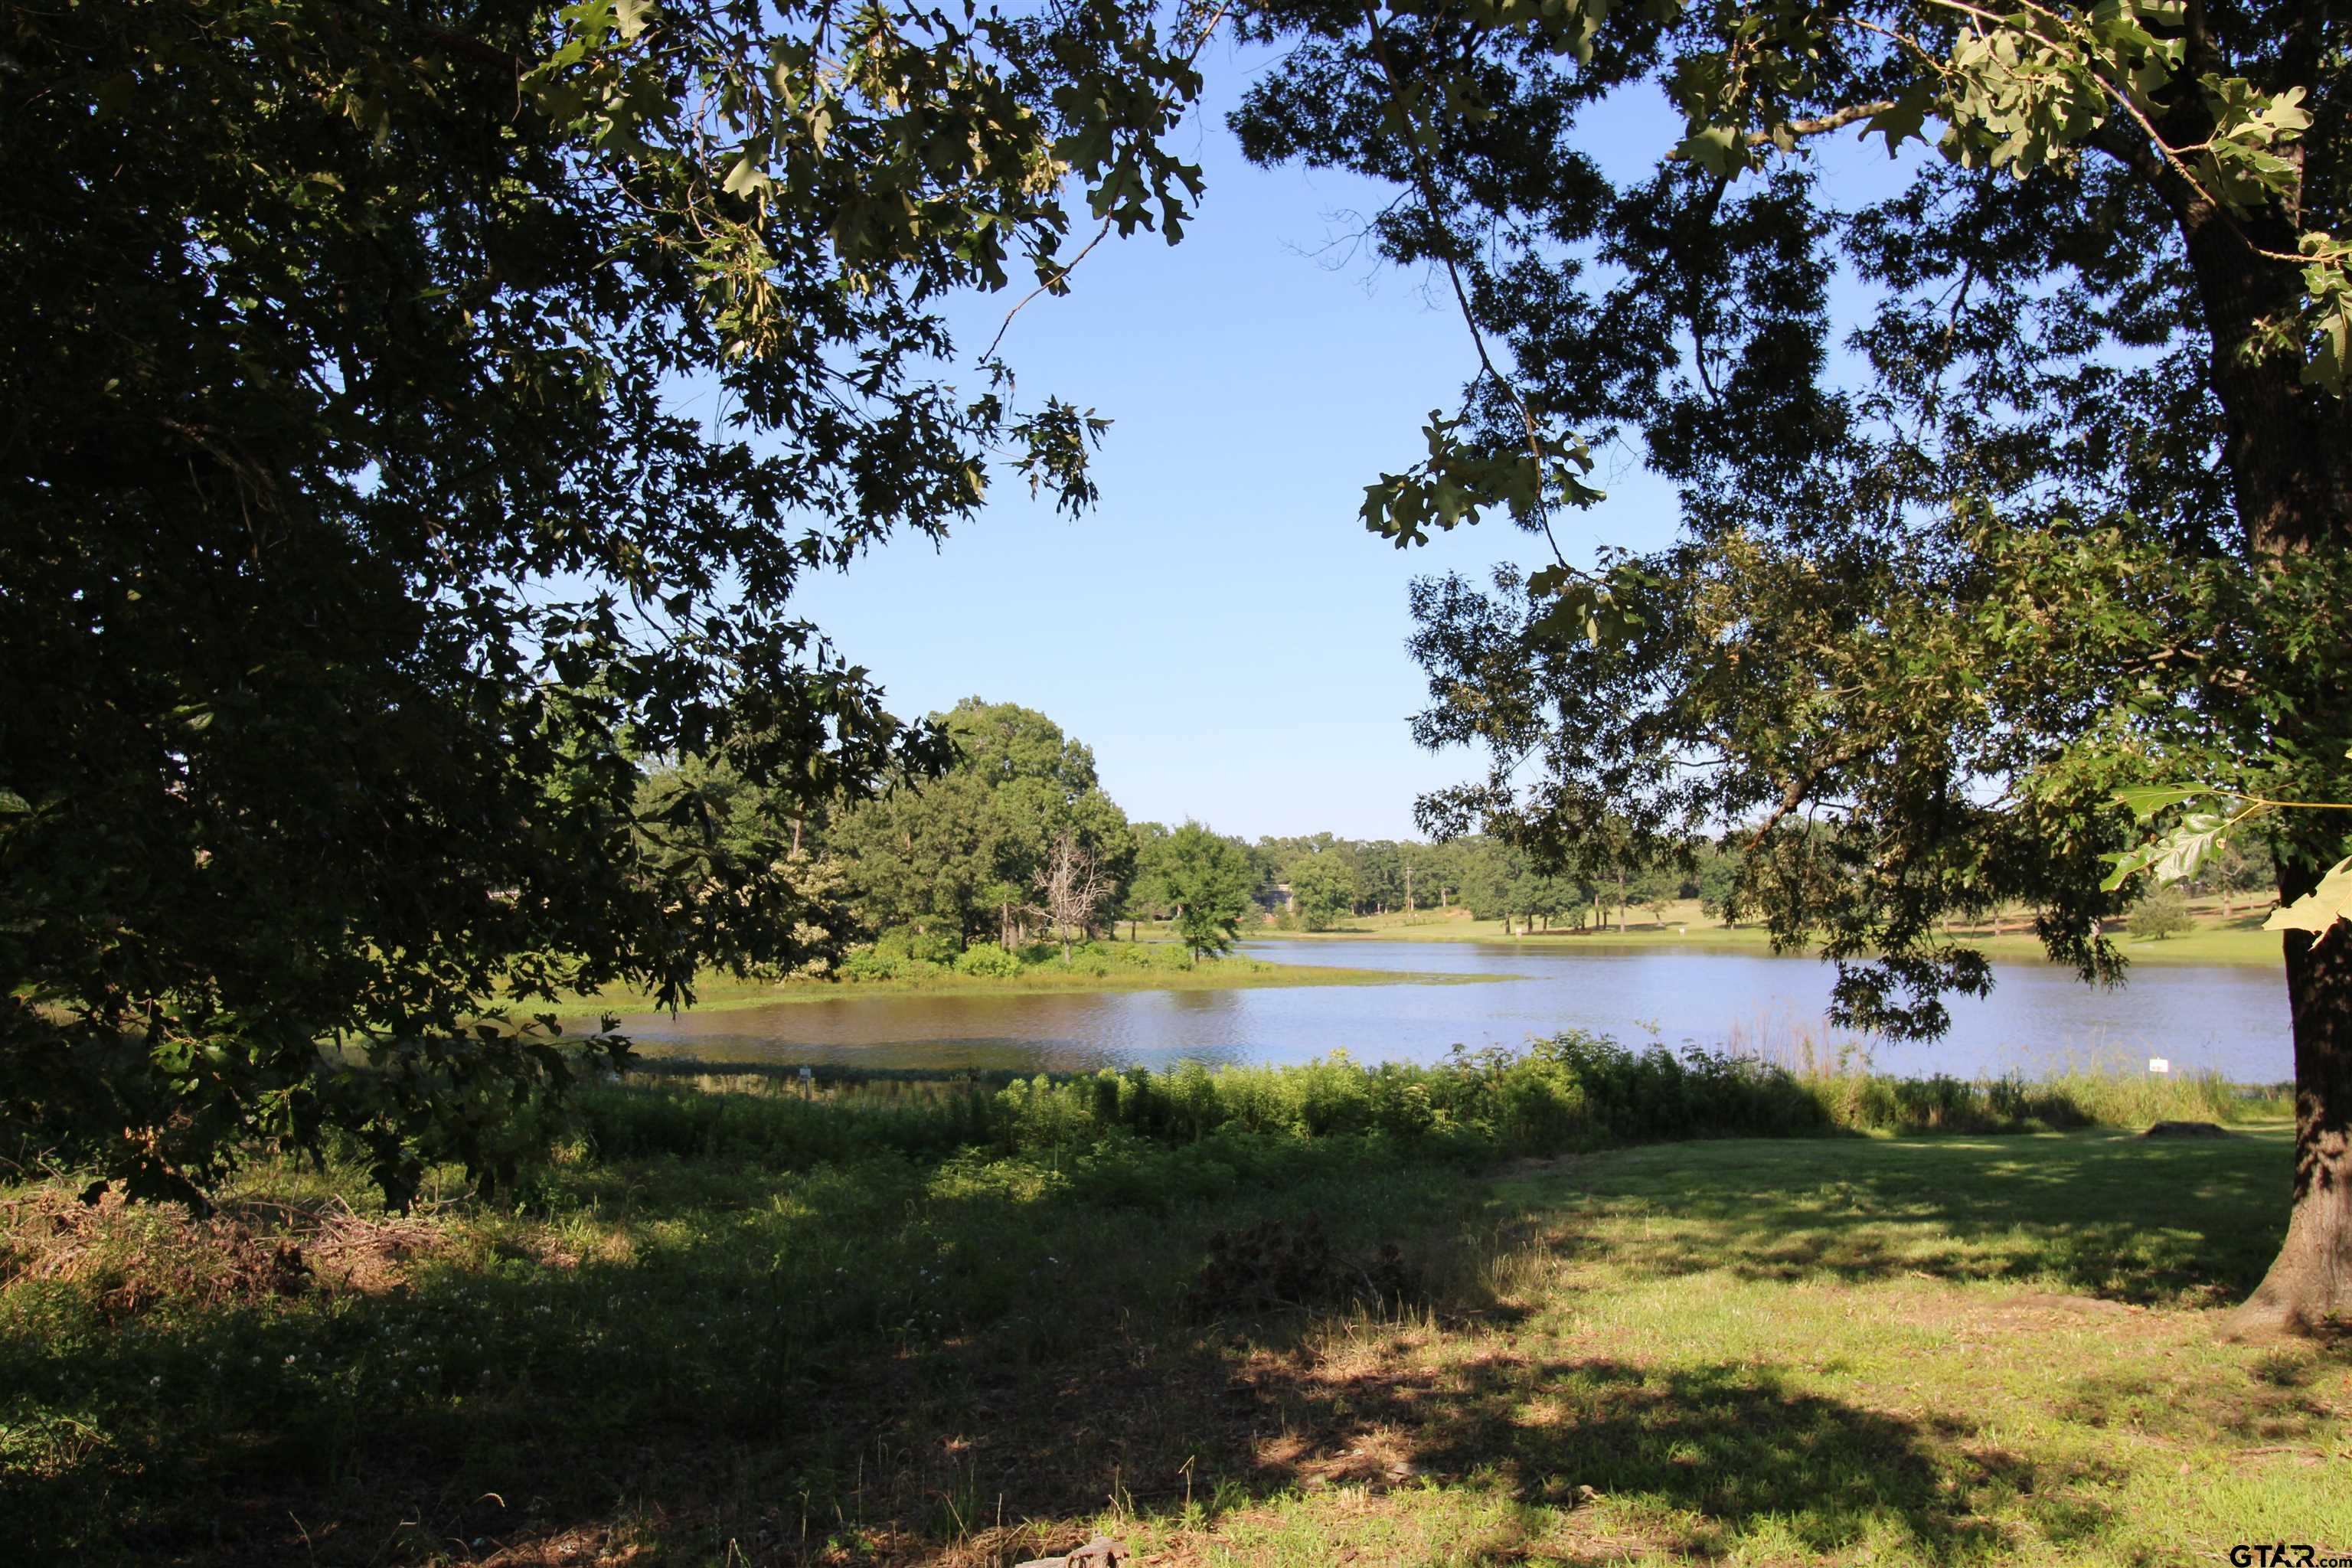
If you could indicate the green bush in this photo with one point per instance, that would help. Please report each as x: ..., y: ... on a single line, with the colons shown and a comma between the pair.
x: 937, y: 947
x: 1572, y: 1091
x: 865, y: 963
x: 989, y: 960
x: 2163, y: 913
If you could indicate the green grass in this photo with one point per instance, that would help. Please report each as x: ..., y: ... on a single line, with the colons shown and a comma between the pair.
x: 2239, y: 940
x: 720, y: 992
x: 912, y: 1321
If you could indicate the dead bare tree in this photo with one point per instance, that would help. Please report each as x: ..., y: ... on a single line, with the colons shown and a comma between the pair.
x: 1072, y: 886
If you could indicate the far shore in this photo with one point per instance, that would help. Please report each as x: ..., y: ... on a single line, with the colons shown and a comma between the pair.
x: 2239, y: 940
x: 723, y: 992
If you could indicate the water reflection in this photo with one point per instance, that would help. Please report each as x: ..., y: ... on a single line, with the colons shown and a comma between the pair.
x: 2227, y: 1018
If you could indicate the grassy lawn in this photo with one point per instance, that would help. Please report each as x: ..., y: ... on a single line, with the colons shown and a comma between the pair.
x: 718, y: 991
x: 1924, y: 1350
x: 2239, y: 940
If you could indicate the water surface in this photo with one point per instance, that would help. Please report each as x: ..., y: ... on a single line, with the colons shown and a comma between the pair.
x: 2230, y: 1018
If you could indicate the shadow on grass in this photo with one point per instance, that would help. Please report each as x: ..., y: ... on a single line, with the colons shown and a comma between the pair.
x: 888, y: 1362
x: 2109, y: 1214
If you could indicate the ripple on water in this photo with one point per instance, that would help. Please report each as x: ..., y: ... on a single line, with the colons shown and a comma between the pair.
x: 2039, y: 1018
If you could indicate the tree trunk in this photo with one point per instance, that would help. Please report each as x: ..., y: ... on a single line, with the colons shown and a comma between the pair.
x: 2311, y: 1279
x: 2289, y: 462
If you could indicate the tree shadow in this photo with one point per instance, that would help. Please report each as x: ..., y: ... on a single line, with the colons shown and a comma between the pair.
x: 887, y: 1363
x: 2108, y: 1215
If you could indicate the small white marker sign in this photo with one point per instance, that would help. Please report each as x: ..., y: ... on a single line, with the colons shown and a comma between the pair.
x: 2159, y: 1063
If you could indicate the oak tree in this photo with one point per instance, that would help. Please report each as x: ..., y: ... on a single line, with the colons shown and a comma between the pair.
x: 417, y: 413
x: 2052, y: 498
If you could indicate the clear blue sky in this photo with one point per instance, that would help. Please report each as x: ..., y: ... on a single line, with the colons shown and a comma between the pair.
x: 1221, y: 630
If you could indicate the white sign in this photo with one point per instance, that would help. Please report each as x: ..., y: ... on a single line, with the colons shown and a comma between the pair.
x: 2157, y: 1064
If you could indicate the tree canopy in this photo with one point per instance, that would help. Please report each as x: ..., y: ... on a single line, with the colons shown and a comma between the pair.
x: 962, y: 852
x: 416, y: 414
x: 2061, y: 506
x: 1207, y: 879
x: 1322, y: 886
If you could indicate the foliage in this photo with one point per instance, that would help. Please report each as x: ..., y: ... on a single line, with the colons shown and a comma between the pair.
x: 1601, y: 1322
x: 1207, y: 879
x: 2162, y: 912
x: 1145, y: 897
x: 1573, y: 1090
x: 964, y: 852
x: 363, y: 534
x: 2058, y: 510
x: 1322, y: 886
x: 2211, y: 836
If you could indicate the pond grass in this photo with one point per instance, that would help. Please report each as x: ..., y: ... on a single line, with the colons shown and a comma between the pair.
x: 896, y: 1318
x: 720, y: 992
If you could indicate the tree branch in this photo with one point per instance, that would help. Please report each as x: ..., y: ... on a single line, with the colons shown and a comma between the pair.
x: 1416, y: 160
x: 1794, y: 797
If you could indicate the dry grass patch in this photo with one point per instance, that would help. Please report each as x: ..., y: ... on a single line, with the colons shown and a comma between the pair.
x: 1931, y: 1352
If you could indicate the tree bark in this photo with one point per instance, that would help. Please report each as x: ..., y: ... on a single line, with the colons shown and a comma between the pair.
x: 2311, y: 1279
x: 2289, y: 451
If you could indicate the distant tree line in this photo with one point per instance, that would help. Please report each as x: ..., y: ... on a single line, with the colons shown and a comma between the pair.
x: 1018, y: 842
x: 1319, y: 879
x: 1015, y: 842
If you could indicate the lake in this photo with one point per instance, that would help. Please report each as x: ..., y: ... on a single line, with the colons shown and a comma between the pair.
x: 2227, y: 1018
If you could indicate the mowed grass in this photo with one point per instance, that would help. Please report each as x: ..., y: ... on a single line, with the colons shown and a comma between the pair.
x: 2238, y: 940
x: 1910, y: 1351
x: 1924, y: 1350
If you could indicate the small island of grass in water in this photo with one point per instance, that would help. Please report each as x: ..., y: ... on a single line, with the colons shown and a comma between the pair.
x: 899, y: 966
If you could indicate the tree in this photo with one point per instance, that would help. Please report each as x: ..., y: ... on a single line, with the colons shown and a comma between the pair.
x: 1146, y: 893
x: 2162, y: 912
x: 1322, y: 887
x: 1654, y: 888
x: 2242, y: 867
x: 964, y: 852
x: 1715, y: 877
x: 2072, y: 514
x: 1072, y: 886
x: 360, y: 539
x: 1380, y: 875
x: 1208, y: 878
x: 698, y: 819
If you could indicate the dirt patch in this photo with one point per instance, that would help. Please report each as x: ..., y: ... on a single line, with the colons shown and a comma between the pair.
x: 134, y: 1256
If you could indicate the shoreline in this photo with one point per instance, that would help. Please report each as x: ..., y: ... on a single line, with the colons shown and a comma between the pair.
x: 725, y: 994
x: 2238, y: 946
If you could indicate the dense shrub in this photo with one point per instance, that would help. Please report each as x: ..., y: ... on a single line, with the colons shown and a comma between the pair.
x: 1196, y: 1128
x: 2163, y: 913
x: 989, y: 960
x: 922, y: 946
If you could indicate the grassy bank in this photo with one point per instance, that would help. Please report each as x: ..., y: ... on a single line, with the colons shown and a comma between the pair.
x: 2237, y: 941
x: 1253, y: 1317
x: 1109, y: 967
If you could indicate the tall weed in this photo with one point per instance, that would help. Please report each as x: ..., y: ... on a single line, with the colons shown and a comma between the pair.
x: 1573, y: 1090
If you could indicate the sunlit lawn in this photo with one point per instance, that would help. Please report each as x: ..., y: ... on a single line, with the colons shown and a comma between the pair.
x: 1920, y: 1351
x: 2238, y: 940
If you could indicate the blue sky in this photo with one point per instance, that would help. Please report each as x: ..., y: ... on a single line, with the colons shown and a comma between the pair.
x: 1221, y: 629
